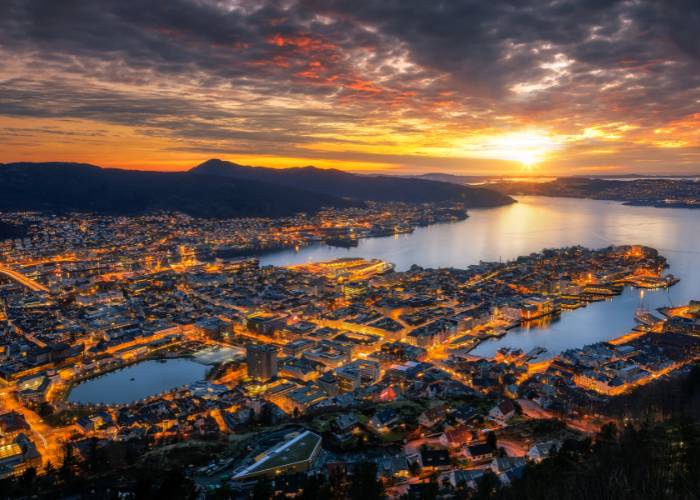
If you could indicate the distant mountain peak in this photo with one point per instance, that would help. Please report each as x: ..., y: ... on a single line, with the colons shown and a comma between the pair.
x: 348, y: 185
x: 217, y: 163
x: 66, y: 187
x: 217, y: 188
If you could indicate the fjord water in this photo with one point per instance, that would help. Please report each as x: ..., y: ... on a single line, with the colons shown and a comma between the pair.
x: 529, y: 226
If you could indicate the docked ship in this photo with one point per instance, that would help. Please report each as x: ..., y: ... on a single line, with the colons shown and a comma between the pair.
x: 644, y: 317
x: 342, y: 241
x: 655, y: 283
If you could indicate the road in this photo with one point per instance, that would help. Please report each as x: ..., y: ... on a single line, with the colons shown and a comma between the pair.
x: 49, y: 440
x: 22, y: 279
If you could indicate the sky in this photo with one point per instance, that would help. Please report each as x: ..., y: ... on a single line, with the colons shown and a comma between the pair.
x: 560, y: 87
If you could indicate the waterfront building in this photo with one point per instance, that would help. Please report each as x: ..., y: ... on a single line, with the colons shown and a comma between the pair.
x: 536, y: 307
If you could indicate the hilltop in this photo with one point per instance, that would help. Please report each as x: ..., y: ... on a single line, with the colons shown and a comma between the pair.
x: 357, y: 187
x: 214, y: 189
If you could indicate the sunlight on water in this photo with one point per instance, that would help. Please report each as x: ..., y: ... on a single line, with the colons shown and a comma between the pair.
x: 529, y: 226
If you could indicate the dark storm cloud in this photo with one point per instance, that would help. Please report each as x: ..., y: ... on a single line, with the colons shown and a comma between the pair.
x: 490, y: 46
x: 485, y: 46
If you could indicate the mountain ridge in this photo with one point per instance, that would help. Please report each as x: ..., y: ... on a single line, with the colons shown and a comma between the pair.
x: 359, y: 187
x: 212, y: 189
x: 65, y: 187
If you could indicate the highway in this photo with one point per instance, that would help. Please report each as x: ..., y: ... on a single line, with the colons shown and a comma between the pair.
x: 22, y: 279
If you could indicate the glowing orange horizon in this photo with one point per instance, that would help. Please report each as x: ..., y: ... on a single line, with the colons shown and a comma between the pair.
x: 287, y: 93
x: 517, y: 152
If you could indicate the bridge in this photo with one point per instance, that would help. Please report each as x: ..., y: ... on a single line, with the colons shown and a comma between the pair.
x: 22, y: 279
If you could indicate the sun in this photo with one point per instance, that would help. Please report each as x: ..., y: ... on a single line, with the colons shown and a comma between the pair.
x: 528, y: 160
x: 525, y: 147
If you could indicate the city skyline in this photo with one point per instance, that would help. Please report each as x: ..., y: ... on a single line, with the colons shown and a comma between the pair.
x: 553, y: 89
x: 350, y: 249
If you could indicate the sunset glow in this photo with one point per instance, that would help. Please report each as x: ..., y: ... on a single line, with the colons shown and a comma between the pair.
x: 362, y: 86
x: 528, y: 148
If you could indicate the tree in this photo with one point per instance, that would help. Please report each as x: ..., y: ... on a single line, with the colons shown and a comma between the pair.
x: 492, y: 440
x: 176, y: 485
x: 48, y: 478
x: 262, y: 489
x: 518, y: 408
x: 223, y: 492
x: 487, y: 486
x: 67, y: 470
x: 27, y: 480
x: 338, y: 483
x: 431, y: 489
x: 315, y: 488
x: 365, y: 485
x: 92, y: 461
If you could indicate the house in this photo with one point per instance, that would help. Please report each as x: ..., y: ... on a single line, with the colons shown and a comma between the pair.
x: 237, y: 418
x: 511, y: 475
x: 540, y: 451
x: 392, y: 466
x: 343, y: 426
x: 504, y: 464
x: 329, y: 384
x: 435, y: 459
x: 383, y: 419
x: 502, y: 411
x: 466, y: 477
x: 432, y: 416
x: 464, y: 414
x: 480, y: 452
x: 85, y: 424
x: 12, y: 424
x: 456, y: 438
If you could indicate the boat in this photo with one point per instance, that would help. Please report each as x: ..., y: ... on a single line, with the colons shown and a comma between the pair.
x: 342, y: 242
x: 403, y: 230
x: 655, y: 283
x: 607, y: 290
x: 644, y: 317
x: 535, y: 352
x: 570, y: 304
x: 494, y: 333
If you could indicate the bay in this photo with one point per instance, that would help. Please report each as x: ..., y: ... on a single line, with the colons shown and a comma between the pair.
x: 532, y: 224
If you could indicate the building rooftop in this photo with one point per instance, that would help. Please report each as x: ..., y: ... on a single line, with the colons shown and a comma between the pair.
x: 299, y: 448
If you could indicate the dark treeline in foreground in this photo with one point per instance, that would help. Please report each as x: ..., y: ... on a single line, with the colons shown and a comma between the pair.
x: 654, y: 461
x: 105, y: 473
x: 664, y: 399
x: 656, y: 455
